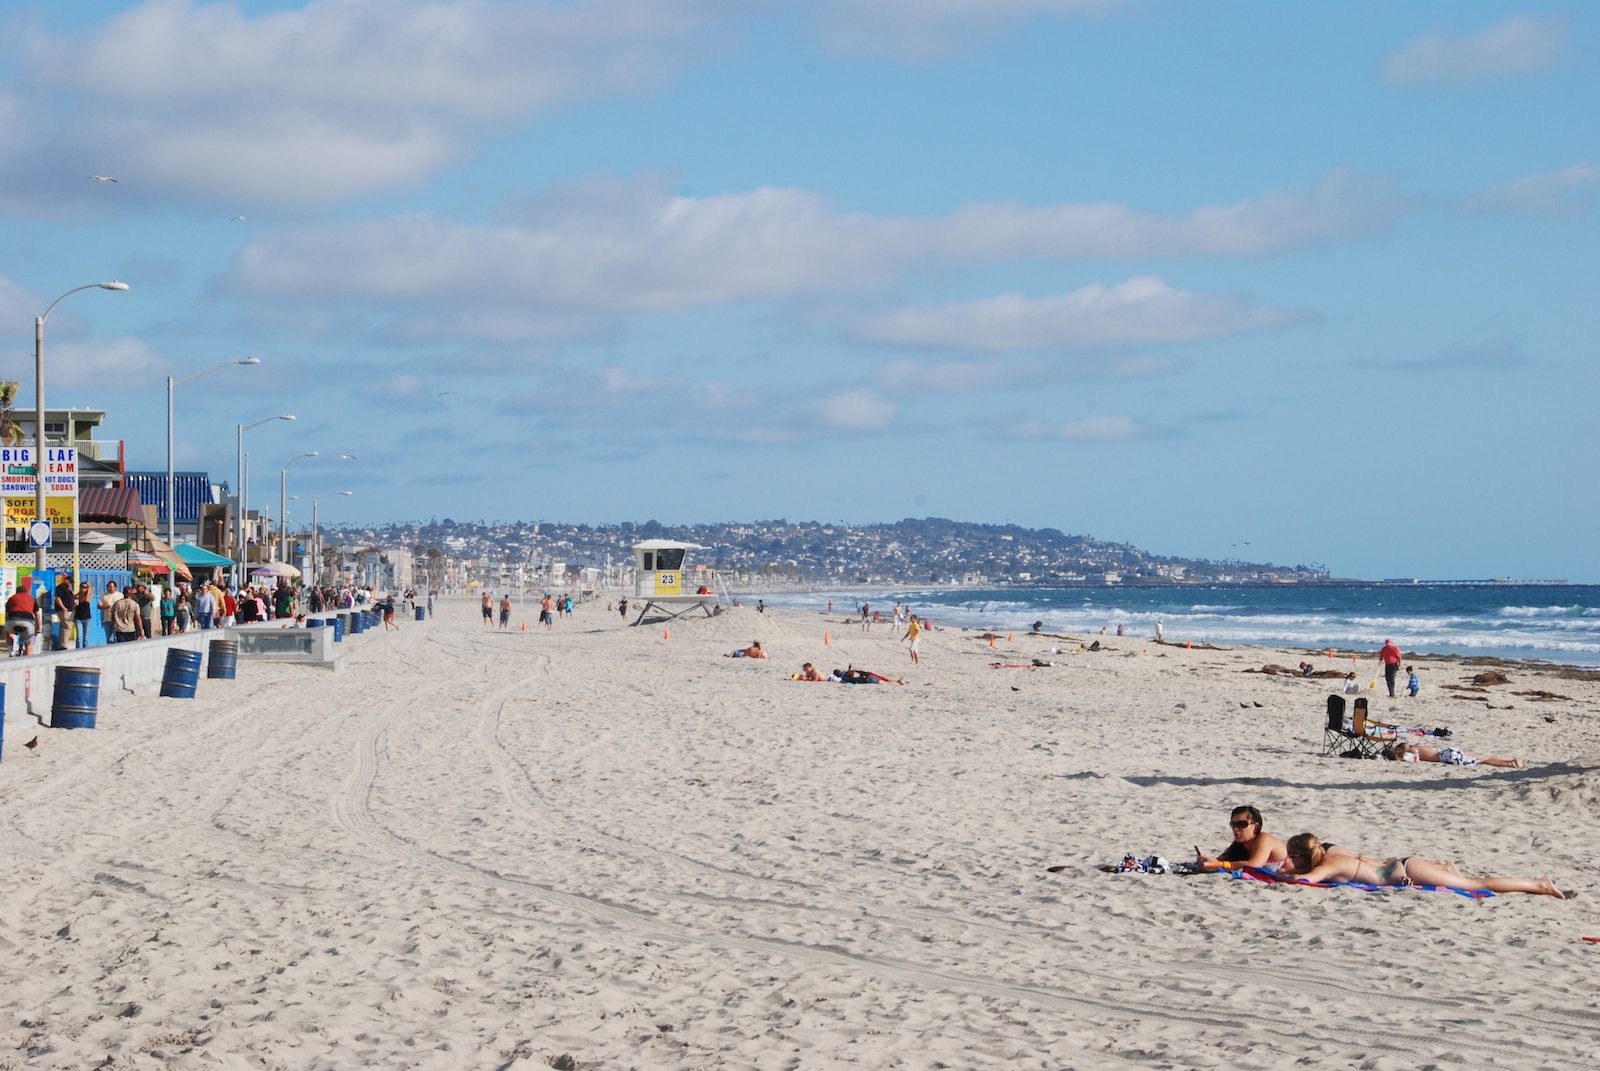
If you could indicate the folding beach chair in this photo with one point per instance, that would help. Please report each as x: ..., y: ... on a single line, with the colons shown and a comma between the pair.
x: 1353, y: 741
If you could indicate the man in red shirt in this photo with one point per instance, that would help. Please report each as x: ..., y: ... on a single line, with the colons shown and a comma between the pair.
x: 1390, y: 657
x: 22, y: 621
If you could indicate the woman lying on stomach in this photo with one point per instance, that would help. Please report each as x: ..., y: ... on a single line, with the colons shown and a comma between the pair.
x: 1313, y: 862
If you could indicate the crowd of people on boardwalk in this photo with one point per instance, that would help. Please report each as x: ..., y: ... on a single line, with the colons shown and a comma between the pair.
x: 135, y: 610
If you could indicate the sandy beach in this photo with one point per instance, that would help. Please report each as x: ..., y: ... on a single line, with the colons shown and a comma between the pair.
x: 603, y: 848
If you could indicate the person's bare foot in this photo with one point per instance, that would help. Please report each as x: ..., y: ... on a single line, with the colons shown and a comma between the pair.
x: 1518, y: 764
x: 1548, y: 888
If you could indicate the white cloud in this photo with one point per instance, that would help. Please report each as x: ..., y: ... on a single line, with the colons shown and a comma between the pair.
x: 1341, y: 205
x: 1565, y: 192
x: 954, y: 376
x: 1091, y: 429
x: 1140, y: 310
x: 606, y: 247
x: 923, y: 28
x: 856, y: 410
x: 334, y: 99
x: 1523, y: 44
x: 130, y: 363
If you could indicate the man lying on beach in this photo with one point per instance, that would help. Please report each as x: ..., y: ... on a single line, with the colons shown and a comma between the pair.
x: 1450, y: 756
x: 1312, y: 862
x: 753, y: 651
x: 852, y: 675
x: 1252, y: 845
x: 808, y: 672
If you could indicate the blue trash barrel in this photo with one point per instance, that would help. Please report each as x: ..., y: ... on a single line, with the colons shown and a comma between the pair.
x: 223, y: 665
x: 422, y: 613
x: 314, y: 622
x: 2, y: 721
x: 357, y: 624
x: 182, y: 674
x: 76, y: 699
x: 338, y: 629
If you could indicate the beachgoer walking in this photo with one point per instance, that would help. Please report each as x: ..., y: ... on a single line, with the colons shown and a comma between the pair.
x: 505, y: 611
x: 1389, y: 656
x: 1161, y: 632
x: 1413, y: 684
x: 914, y: 634
x: 547, y: 612
x: 488, y: 609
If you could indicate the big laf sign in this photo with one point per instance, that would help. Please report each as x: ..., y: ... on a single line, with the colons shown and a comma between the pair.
x: 18, y: 471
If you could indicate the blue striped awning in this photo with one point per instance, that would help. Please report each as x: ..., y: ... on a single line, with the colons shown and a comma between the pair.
x: 192, y: 490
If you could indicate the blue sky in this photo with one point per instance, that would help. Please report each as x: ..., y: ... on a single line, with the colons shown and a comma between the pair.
x: 1318, y: 279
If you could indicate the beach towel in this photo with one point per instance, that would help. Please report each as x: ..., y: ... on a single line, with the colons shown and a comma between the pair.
x: 1251, y: 873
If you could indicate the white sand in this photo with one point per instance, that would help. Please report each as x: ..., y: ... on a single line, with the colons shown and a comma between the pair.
x: 475, y: 850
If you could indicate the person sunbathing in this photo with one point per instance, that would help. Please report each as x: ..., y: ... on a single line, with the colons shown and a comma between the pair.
x: 852, y: 675
x: 753, y: 651
x: 1451, y: 756
x: 1312, y: 862
x: 808, y: 672
x: 1252, y: 845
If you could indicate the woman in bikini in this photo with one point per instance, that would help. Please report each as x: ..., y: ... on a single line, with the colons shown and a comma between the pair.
x: 1252, y: 845
x: 1451, y: 756
x: 1313, y: 862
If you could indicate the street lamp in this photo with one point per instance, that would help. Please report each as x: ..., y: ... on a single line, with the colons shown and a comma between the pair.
x: 172, y: 507
x: 39, y: 463
x: 316, y: 545
x: 239, y: 527
x: 283, y: 503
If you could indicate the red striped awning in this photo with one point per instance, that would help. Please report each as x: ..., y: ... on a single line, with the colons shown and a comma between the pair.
x: 110, y: 505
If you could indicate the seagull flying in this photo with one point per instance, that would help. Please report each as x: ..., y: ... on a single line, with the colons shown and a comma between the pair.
x: 101, y: 178
x: 442, y: 393
x: 237, y: 219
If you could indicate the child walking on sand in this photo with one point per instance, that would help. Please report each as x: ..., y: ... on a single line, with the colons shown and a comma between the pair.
x: 1413, y: 685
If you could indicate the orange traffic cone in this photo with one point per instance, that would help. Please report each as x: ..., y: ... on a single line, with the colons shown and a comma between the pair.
x: 666, y: 635
x: 825, y: 640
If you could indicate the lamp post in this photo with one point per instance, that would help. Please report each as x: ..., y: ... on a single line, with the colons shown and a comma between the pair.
x: 316, y: 545
x: 283, y: 502
x: 172, y: 507
x: 239, y: 527
x: 39, y: 463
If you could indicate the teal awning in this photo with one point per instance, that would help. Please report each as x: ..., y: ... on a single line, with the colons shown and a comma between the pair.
x: 193, y: 555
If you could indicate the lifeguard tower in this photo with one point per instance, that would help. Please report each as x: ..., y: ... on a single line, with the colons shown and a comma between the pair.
x: 660, y: 580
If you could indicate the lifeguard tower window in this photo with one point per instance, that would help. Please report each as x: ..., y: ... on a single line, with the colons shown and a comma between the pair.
x: 667, y: 558
x: 649, y: 561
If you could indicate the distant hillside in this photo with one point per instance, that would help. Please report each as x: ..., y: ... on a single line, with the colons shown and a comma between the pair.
x: 914, y: 550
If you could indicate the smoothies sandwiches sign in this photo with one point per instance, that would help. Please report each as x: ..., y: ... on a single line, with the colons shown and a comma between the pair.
x: 19, y: 473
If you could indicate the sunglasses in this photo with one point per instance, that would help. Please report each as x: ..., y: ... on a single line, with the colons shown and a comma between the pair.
x: 1242, y: 823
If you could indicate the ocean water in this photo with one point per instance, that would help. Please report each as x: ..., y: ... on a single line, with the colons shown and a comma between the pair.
x: 1555, y: 623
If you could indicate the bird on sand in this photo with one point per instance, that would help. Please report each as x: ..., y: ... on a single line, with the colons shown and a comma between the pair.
x: 101, y: 178
x: 31, y: 744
